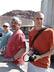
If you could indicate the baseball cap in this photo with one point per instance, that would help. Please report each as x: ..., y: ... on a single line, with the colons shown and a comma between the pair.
x: 6, y: 24
x: 14, y: 18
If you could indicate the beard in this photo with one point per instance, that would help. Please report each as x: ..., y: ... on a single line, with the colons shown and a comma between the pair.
x: 13, y: 27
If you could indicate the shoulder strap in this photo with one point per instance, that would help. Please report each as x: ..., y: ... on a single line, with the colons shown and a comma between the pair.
x: 37, y: 35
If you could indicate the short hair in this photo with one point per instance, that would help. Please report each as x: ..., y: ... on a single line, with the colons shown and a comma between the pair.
x: 14, y: 18
x: 39, y: 12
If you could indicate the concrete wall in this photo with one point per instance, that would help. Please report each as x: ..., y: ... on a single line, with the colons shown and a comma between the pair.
x: 47, y: 7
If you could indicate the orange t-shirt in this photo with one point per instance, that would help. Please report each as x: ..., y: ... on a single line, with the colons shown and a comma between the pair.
x: 43, y: 44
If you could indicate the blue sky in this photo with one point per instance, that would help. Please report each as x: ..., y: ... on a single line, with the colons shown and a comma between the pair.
x: 9, y: 5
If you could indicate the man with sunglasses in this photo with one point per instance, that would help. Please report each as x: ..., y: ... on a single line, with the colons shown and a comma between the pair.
x: 44, y: 44
x: 5, y: 37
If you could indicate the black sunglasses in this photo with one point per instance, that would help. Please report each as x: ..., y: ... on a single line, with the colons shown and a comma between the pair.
x: 5, y: 26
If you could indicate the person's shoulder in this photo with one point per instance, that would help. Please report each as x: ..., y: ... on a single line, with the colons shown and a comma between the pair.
x: 20, y: 32
x: 10, y: 33
x: 32, y: 30
x: 49, y: 29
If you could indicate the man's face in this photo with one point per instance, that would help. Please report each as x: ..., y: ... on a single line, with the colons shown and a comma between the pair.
x: 6, y: 28
x: 39, y: 19
x: 15, y: 26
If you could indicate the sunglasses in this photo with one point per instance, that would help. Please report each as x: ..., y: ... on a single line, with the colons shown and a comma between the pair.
x: 5, y: 26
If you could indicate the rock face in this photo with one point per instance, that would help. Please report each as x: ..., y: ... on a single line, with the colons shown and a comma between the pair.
x: 24, y: 14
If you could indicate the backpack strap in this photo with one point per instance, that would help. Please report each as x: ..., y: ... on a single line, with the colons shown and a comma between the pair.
x: 37, y: 35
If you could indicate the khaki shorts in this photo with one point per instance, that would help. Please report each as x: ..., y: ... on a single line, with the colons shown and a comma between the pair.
x: 32, y: 68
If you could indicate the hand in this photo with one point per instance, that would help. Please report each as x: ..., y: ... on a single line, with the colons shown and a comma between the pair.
x: 37, y: 57
x: 1, y: 50
x: 7, y: 60
x: 30, y: 53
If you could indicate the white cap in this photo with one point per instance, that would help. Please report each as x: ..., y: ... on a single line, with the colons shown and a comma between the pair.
x: 14, y: 18
x: 6, y: 24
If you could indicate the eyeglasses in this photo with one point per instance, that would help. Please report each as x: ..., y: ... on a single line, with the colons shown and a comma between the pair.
x: 5, y: 26
x: 39, y: 18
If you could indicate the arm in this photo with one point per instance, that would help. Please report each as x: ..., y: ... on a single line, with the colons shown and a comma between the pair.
x: 51, y: 40
x: 23, y: 47
x: 2, y: 51
x: 49, y: 53
x: 19, y: 54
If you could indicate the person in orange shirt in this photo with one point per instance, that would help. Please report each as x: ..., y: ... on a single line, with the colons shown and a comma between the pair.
x: 44, y: 44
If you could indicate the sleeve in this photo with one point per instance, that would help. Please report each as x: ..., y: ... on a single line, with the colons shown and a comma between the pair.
x: 51, y: 38
x: 22, y: 41
x: 30, y: 42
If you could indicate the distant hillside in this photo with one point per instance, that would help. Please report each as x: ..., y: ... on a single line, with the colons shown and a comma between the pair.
x: 24, y: 14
